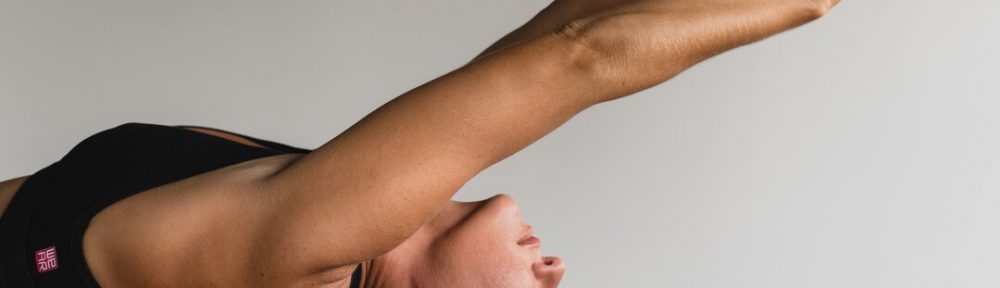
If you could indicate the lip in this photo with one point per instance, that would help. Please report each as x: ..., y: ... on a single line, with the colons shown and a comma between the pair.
x: 531, y: 241
x: 527, y: 239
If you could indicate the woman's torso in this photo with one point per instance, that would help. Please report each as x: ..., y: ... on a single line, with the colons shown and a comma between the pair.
x: 156, y: 237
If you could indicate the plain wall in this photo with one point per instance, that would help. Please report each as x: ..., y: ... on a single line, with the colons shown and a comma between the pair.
x: 860, y: 150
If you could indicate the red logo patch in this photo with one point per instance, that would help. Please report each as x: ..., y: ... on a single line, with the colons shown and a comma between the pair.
x: 45, y: 259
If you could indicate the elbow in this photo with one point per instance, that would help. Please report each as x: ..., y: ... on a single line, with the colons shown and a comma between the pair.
x: 617, y: 57
x: 596, y: 56
x: 579, y: 50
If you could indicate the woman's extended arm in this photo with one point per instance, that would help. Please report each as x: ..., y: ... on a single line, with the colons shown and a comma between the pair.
x: 372, y: 186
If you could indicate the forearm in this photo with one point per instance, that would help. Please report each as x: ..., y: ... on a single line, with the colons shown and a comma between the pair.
x: 643, y: 43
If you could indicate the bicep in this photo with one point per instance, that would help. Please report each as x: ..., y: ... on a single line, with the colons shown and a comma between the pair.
x: 368, y: 189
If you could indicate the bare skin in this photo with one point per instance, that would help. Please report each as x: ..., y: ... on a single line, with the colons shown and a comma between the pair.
x: 379, y: 193
x: 7, y: 190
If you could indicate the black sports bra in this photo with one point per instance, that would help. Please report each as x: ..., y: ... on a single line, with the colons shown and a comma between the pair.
x: 41, y: 232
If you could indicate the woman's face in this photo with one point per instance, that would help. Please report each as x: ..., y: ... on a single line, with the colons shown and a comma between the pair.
x: 485, y: 244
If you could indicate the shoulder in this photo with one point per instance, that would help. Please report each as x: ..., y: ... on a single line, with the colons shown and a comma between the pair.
x: 172, y: 234
x: 7, y: 190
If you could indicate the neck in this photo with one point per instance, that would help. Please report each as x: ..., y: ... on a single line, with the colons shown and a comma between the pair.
x: 400, y: 266
x: 386, y: 271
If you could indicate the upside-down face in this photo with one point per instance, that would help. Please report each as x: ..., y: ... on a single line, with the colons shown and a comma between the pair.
x: 485, y: 244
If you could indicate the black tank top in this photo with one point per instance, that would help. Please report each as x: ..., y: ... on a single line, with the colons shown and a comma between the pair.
x: 41, y: 232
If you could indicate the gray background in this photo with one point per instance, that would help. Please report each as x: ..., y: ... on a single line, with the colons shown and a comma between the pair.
x: 857, y: 151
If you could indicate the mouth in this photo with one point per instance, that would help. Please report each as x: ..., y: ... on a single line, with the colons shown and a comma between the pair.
x: 527, y: 239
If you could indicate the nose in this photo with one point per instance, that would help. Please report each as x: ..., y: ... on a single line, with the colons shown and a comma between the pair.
x: 550, y: 271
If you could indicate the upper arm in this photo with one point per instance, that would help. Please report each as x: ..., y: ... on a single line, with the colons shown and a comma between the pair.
x: 368, y: 189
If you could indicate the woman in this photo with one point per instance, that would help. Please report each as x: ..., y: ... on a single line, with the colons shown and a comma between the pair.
x: 146, y: 205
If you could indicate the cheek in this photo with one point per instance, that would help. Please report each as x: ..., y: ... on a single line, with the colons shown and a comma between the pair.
x: 514, y: 278
x: 483, y: 253
x: 488, y: 229
x: 482, y: 266
x: 480, y: 246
